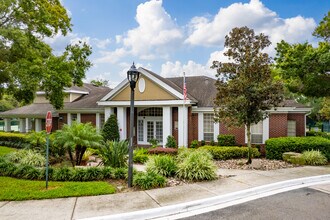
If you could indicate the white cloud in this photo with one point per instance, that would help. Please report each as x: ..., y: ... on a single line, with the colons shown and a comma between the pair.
x: 206, y: 32
x: 155, y: 36
x: 102, y: 44
x: 111, y: 56
x: 170, y: 69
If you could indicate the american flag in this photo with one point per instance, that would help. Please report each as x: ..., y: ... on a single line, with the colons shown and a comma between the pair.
x: 184, y: 88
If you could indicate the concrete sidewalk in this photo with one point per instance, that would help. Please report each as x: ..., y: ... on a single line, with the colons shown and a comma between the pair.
x: 84, y: 207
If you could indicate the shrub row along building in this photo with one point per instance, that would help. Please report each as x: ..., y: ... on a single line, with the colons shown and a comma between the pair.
x: 160, y: 110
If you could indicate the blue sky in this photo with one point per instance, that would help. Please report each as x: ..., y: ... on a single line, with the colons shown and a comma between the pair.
x: 170, y: 37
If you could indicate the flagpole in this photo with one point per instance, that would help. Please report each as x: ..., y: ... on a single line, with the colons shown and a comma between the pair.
x: 184, y: 102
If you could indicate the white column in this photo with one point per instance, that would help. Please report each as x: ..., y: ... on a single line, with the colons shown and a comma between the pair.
x: 121, y: 116
x: 200, y: 126
x: 107, y: 112
x: 69, y: 119
x: 22, y: 125
x: 216, y: 131
x: 7, y: 124
x: 28, y: 124
x: 78, y: 117
x: 183, y: 126
x: 98, y: 121
x: 37, y: 123
x: 167, y: 123
x: 265, y: 130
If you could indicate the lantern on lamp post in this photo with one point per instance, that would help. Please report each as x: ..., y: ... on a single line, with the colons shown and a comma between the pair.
x: 132, y: 76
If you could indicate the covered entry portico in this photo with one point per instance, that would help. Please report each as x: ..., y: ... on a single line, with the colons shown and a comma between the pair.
x: 152, y: 122
x: 160, y: 110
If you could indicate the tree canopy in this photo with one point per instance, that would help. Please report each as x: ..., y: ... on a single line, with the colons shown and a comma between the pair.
x: 245, y: 87
x: 27, y: 63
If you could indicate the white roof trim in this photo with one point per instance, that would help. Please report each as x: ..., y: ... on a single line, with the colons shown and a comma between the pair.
x: 66, y: 91
x: 117, y: 89
x: 125, y: 83
x: 146, y: 103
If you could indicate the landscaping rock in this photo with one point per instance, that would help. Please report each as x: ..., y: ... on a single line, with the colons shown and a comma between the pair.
x: 264, y: 164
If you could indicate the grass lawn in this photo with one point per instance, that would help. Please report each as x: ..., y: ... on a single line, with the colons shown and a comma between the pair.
x: 17, y: 189
x: 5, y: 150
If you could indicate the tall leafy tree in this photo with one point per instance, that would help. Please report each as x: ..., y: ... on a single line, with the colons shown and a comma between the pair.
x: 305, y: 69
x: 27, y: 63
x: 76, y: 139
x: 245, y: 87
x: 100, y: 82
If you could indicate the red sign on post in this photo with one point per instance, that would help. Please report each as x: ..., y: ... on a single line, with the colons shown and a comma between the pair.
x: 49, y: 122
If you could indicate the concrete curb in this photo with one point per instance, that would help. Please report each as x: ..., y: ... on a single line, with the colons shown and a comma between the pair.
x: 213, y: 203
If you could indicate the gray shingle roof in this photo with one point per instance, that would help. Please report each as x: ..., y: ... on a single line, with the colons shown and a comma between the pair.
x: 202, y: 88
x: 84, y: 102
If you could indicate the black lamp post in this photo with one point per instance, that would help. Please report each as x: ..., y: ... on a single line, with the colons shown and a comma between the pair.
x: 132, y: 76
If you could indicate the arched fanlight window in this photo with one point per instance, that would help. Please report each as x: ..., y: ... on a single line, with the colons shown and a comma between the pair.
x: 154, y: 111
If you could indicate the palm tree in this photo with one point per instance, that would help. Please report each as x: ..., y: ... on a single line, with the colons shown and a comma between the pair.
x: 77, y: 138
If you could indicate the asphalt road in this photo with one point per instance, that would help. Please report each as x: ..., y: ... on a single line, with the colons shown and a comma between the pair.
x: 298, y: 204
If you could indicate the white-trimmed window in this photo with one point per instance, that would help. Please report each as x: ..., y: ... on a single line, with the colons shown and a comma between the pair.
x: 291, y: 128
x: 256, y: 133
x: 208, y: 123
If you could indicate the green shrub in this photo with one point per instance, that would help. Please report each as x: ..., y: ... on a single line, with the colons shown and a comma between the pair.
x: 226, y: 153
x: 93, y: 173
x: 162, y: 165
x: 108, y: 172
x: 275, y: 147
x: 114, y: 153
x: 154, y: 142
x: 27, y: 157
x: 202, y: 142
x: 110, y: 131
x: 183, y: 153
x: 120, y: 173
x: 314, y: 157
x: 7, y: 168
x: 27, y: 172
x: 140, y: 155
x: 197, y: 165
x: 318, y: 133
x: 226, y: 140
x: 15, y: 140
x: 63, y: 174
x: 212, y: 143
x: 194, y: 144
x: 148, y: 180
x: 171, y: 142
x: 37, y: 140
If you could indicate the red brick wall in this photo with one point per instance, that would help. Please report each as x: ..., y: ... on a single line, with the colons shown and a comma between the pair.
x: 278, y: 125
x: 85, y: 118
x: 300, y: 122
x: 175, y: 118
x: 238, y: 132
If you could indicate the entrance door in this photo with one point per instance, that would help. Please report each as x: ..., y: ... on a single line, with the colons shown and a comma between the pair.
x: 150, y: 128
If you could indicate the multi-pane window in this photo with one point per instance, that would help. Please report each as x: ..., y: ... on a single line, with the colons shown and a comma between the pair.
x: 208, y: 123
x: 74, y: 117
x: 102, y: 119
x: 256, y: 133
x: 151, y: 112
x: 150, y: 130
x: 159, y: 131
x: 291, y: 128
x: 140, y: 130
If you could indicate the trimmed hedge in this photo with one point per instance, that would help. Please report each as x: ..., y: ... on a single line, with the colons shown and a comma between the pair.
x: 226, y: 140
x: 10, y: 169
x: 275, y: 147
x: 226, y: 153
x: 318, y: 134
x: 14, y: 140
